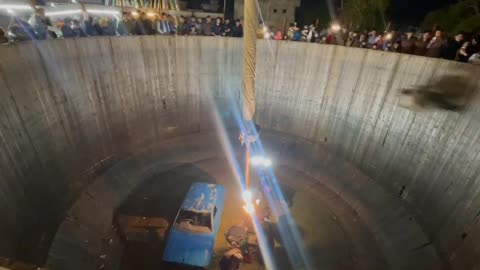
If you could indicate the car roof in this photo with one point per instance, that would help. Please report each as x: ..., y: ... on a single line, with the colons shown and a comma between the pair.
x: 202, y: 197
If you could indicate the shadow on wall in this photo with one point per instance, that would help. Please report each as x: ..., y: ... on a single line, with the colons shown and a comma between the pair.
x: 450, y: 92
x: 142, y: 221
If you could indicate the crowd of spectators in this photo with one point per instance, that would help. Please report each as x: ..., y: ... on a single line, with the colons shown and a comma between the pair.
x: 38, y: 26
x: 437, y: 45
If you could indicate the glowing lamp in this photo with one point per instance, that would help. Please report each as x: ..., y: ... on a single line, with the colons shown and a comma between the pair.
x: 336, y: 27
x: 14, y: 7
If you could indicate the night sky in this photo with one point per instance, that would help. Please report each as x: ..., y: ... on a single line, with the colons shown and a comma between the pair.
x: 413, y: 11
x: 401, y: 12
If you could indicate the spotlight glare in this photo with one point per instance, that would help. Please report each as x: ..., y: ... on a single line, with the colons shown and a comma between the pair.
x: 10, y: 11
x: 103, y: 11
x: 247, y: 196
x: 15, y: 7
x: 134, y: 13
x: 256, y: 160
x: 249, y: 208
x: 261, y: 161
x: 267, y: 162
x: 63, y: 12
x: 151, y: 14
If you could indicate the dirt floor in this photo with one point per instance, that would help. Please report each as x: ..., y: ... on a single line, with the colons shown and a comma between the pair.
x: 325, y: 222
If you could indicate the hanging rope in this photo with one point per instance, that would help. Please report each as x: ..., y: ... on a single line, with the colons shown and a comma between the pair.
x: 249, y: 59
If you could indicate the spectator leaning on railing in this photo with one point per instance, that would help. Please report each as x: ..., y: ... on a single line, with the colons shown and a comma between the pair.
x: 38, y: 26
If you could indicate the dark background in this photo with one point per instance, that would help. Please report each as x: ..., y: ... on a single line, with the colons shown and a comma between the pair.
x: 401, y: 12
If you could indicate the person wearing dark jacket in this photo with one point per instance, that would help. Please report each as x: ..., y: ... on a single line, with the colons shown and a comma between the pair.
x: 78, y: 29
x: 207, y: 26
x: 217, y: 28
x: 67, y: 31
x: 91, y: 28
x: 462, y: 54
x: 237, y: 29
x: 21, y: 30
x: 227, y: 28
x: 420, y: 47
x: 125, y: 26
x: 473, y: 46
x: 164, y: 27
x: 408, y: 43
x: 436, y: 46
x: 451, y: 49
x: 39, y: 23
x: 3, y: 37
x: 143, y: 26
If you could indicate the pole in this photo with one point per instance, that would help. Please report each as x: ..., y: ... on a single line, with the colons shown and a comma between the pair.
x: 249, y: 66
x: 224, y: 8
x: 249, y: 59
x: 247, y: 165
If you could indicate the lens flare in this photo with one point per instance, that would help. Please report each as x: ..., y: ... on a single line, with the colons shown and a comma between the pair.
x: 256, y: 160
x: 249, y: 208
x: 247, y: 196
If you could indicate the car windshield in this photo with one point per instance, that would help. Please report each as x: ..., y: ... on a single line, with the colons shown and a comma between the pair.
x: 194, y: 221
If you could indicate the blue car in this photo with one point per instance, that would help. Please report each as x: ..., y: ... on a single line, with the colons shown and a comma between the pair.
x: 192, y: 235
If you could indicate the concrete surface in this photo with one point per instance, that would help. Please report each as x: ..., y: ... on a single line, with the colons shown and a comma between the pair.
x: 72, y: 109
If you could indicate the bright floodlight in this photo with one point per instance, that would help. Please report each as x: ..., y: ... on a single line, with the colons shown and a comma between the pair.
x: 151, y: 14
x: 15, y: 7
x: 336, y: 27
x: 261, y: 161
x: 247, y: 196
x: 267, y: 162
x: 256, y: 160
x: 249, y: 208
x: 135, y: 14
